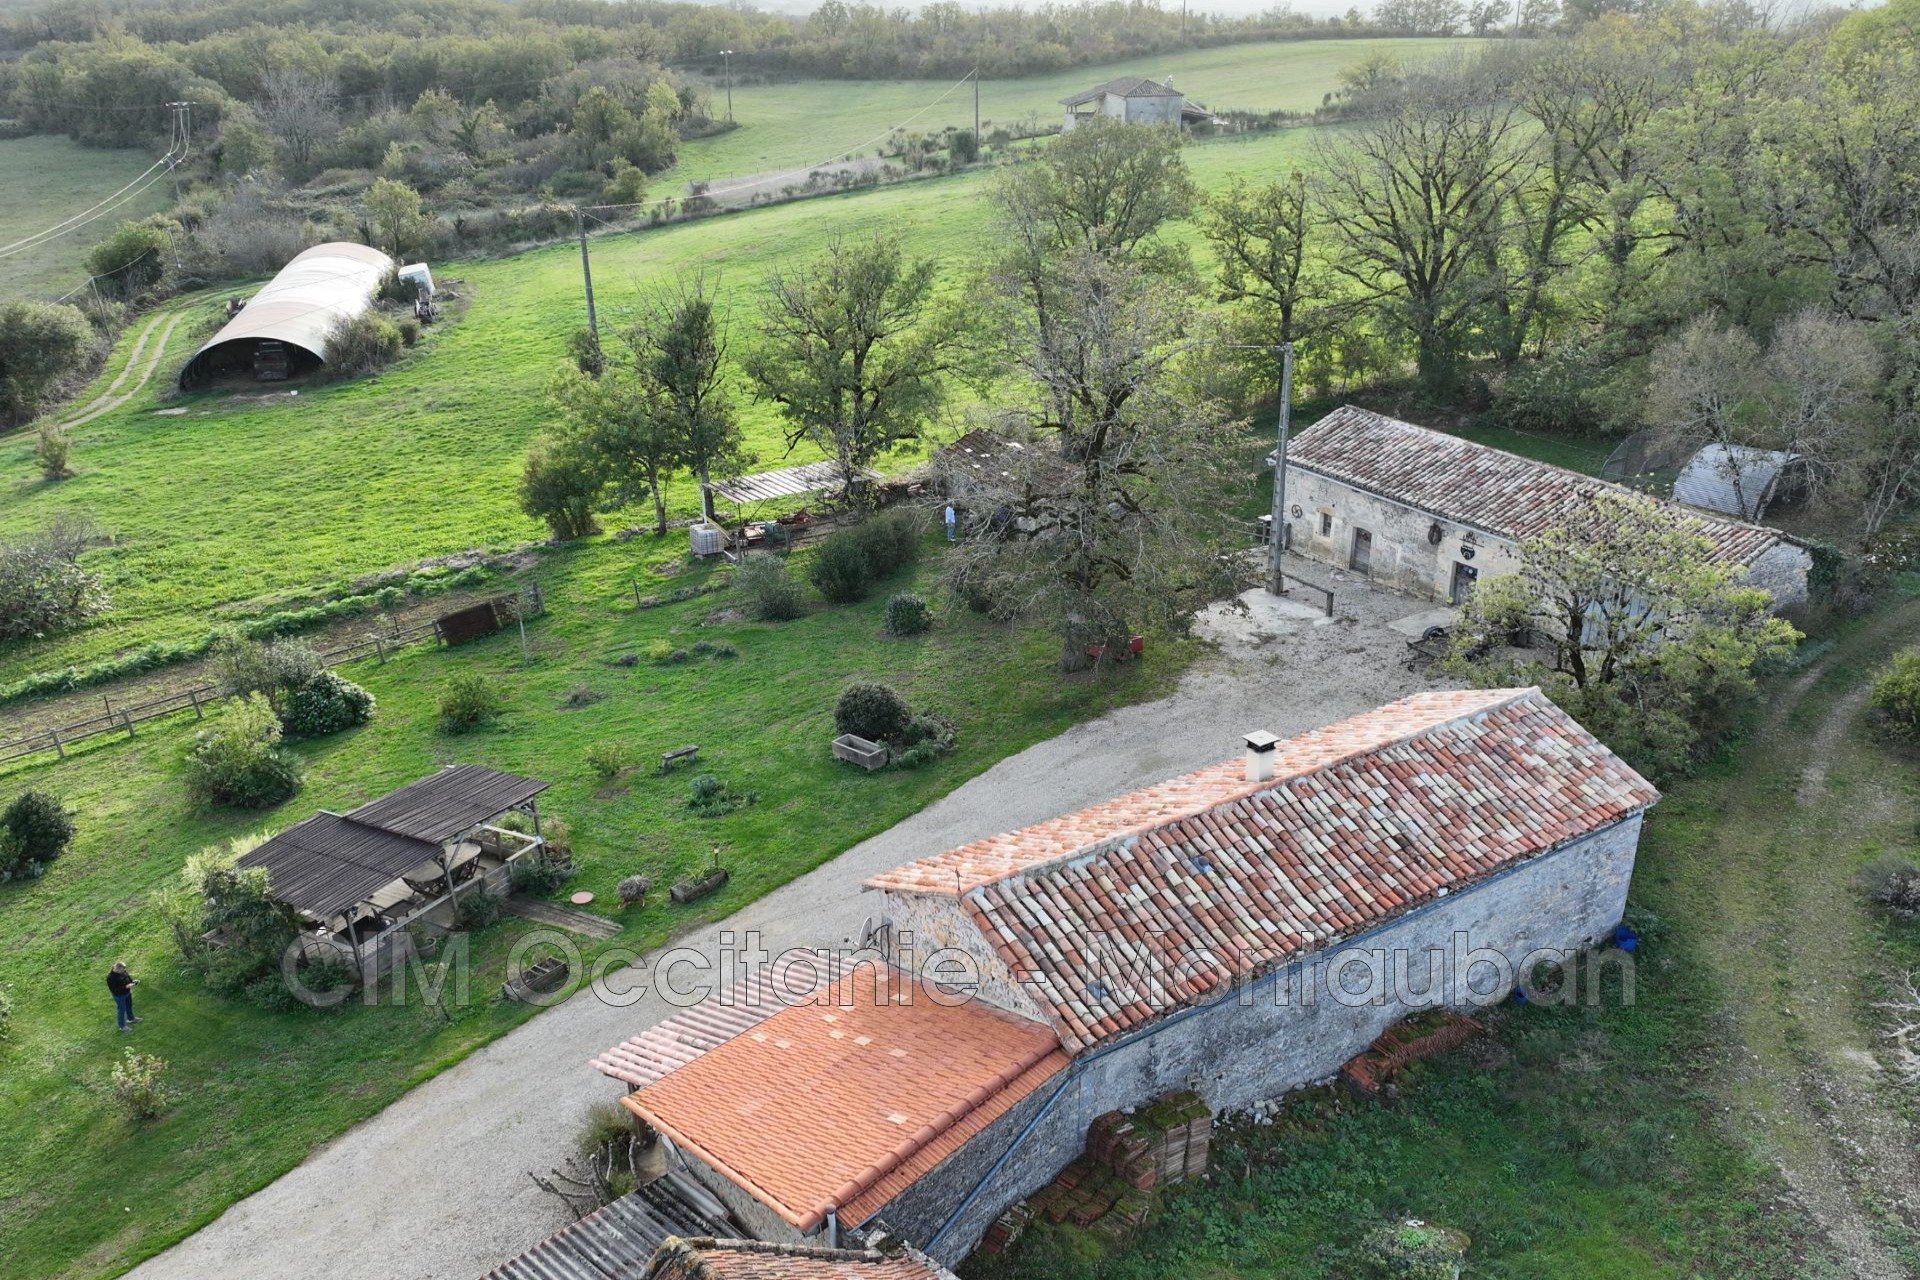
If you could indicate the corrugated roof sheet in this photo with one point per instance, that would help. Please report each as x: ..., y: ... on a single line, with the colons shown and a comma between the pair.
x: 1362, y: 821
x: 672, y: 1044
x: 1731, y: 478
x: 846, y: 1103
x: 758, y: 1260
x: 787, y: 482
x: 445, y: 804
x: 328, y: 863
x: 1473, y: 484
x: 320, y: 287
x: 615, y: 1243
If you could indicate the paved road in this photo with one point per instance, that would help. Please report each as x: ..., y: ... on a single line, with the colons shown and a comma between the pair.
x: 436, y: 1185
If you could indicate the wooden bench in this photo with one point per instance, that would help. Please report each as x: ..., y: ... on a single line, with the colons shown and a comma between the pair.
x: 668, y: 759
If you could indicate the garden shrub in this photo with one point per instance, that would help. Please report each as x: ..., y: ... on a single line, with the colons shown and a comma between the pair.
x: 679, y: 656
x: 6, y: 1012
x: 607, y: 759
x: 891, y: 541
x: 1896, y: 694
x: 362, y: 344
x: 634, y: 889
x: 238, y: 760
x: 140, y: 1085
x: 326, y: 704
x: 703, y: 648
x: 467, y: 702
x: 1414, y: 1250
x: 840, y: 569
x: 409, y: 330
x: 772, y: 594
x: 43, y: 587
x: 725, y: 650
x: 537, y: 873
x: 907, y: 615
x: 35, y: 828
x: 476, y: 909
x: 274, y: 667
x: 871, y: 711
x: 1895, y: 886
x: 712, y: 798
x: 659, y: 650
x: 215, y: 895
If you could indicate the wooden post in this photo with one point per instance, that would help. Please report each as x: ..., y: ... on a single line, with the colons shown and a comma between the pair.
x: 126, y: 718
x: 380, y: 648
x: 636, y: 593
x: 193, y: 695
x: 55, y: 735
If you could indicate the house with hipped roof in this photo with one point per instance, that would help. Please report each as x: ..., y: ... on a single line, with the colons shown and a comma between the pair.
x: 1132, y: 100
x: 1429, y: 514
x: 1238, y: 932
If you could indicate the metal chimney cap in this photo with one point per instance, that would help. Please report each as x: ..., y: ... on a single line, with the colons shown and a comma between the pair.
x: 1261, y: 742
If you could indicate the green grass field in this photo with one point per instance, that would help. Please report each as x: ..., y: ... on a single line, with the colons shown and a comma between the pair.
x: 44, y: 181
x: 340, y: 481
x: 803, y: 122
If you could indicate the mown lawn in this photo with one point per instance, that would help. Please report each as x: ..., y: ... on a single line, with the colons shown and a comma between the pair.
x: 804, y: 122
x: 247, y: 503
x: 48, y: 180
x: 85, y: 1192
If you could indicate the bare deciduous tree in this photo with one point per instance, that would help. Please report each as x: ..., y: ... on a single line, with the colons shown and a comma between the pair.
x: 298, y: 109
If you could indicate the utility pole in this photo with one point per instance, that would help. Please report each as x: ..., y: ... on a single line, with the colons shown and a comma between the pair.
x: 586, y: 271
x: 976, y: 111
x: 726, y: 61
x: 1277, y: 533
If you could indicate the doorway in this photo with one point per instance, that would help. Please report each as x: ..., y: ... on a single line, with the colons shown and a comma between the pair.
x: 1464, y: 576
x: 1361, y: 558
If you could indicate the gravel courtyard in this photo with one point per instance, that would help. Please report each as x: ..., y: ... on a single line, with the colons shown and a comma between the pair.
x: 436, y: 1186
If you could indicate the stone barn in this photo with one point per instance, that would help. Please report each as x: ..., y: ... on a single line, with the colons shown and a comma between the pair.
x: 1428, y: 514
x: 1237, y: 932
x: 1132, y: 100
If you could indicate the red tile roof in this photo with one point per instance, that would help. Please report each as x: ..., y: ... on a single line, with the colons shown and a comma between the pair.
x: 844, y: 1104
x: 672, y: 1044
x: 1484, y: 488
x: 1362, y: 820
x: 756, y: 1260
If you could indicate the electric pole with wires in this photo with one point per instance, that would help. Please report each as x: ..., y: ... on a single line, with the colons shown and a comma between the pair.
x: 586, y: 271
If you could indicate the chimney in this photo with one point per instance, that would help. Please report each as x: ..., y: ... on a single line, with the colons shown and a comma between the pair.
x: 1260, y: 746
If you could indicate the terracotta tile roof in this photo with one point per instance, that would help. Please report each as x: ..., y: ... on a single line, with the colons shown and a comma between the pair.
x: 1124, y: 87
x: 1484, y: 488
x: 982, y: 862
x: 757, y: 1260
x: 846, y: 1103
x: 1363, y: 820
x: 672, y: 1044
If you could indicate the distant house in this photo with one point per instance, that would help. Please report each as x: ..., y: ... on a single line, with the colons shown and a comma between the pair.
x: 1196, y: 935
x: 1133, y: 100
x: 1428, y: 513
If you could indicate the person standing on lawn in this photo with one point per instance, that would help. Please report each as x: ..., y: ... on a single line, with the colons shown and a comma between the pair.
x: 952, y: 519
x: 122, y: 983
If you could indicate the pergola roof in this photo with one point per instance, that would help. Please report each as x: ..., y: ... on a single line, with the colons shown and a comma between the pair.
x: 787, y: 482
x: 329, y: 863
x: 454, y: 800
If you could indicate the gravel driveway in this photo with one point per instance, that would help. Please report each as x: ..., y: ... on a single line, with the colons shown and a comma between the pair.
x: 436, y: 1185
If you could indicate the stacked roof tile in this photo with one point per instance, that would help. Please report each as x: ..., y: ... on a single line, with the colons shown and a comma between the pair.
x: 1210, y: 879
x: 845, y: 1103
x: 756, y: 1260
x: 1472, y: 484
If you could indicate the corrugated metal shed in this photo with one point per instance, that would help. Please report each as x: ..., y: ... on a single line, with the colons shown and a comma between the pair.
x: 456, y: 799
x: 1732, y: 479
x: 329, y: 863
x: 615, y: 1243
x: 326, y: 284
x: 788, y: 482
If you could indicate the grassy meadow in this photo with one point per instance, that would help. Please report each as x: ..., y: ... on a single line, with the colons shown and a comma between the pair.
x: 793, y: 124
x: 316, y: 488
x: 44, y: 181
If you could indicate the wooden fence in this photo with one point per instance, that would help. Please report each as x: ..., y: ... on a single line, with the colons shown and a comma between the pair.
x: 377, y: 643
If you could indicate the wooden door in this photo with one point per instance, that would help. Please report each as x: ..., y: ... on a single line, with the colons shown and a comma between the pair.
x: 1361, y: 561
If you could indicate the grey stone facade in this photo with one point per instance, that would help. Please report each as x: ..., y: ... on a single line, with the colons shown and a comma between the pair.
x: 1404, y: 554
x: 1270, y: 1037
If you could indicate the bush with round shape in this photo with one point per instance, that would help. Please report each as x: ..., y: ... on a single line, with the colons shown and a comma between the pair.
x: 362, y: 344
x: 140, y: 1085
x: 772, y: 594
x: 871, y: 711
x: 659, y: 650
x: 326, y: 704
x: 476, y: 909
x: 1896, y: 888
x: 35, y: 828
x: 907, y: 615
x: 238, y: 761
x: 467, y: 702
x: 840, y: 570
x: 607, y: 759
x: 1896, y: 695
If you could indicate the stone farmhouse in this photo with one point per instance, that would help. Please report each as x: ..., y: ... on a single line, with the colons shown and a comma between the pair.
x: 1428, y: 514
x: 1236, y: 932
x: 1132, y: 100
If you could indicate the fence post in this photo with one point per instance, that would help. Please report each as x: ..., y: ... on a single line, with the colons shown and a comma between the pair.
x: 194, y: 695
x: 126, y: 718
x: 55, y: 735
x: 380, y: 647
x: 636, y: 593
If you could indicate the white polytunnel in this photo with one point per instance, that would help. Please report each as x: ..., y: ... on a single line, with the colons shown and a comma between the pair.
x: 291, y: 315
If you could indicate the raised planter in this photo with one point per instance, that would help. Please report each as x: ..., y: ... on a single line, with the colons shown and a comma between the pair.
x: 546, y: 975
x: 855, y: 749
x: 694, y: 890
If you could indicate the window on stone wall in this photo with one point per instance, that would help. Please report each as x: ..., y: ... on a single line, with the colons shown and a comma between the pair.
x: 1326, y: 524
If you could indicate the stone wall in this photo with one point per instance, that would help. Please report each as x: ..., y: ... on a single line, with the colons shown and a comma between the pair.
x: 1783, y: 571
x: 923, y: 925
x: 1269, y: 1037
x: 1405, y: 558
